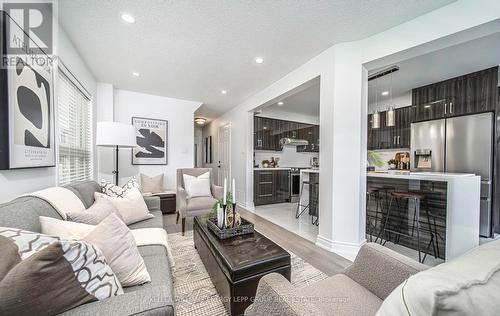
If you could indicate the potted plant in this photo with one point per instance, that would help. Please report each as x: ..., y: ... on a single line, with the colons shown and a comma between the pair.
x: 393, y: 163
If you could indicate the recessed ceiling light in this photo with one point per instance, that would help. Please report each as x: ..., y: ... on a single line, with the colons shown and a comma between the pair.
x: 224, y: 92
x: 385, y: 92
x: 128, y: 18
x: 280, y: 103
x: 259, y: 60
x: 136, y: 74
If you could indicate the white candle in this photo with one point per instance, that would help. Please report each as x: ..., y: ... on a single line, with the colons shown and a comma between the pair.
x: 234, y: 191
x: 225, y: 192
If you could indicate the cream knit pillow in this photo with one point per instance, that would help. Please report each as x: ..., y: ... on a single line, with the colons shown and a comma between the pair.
x: 131, y: 207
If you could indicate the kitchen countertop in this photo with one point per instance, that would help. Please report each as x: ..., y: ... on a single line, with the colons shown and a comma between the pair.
x: 277, y: 168
x: 436, y: 176
x: 310, y: 170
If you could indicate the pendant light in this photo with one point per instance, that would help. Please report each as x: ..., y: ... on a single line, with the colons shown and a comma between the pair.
x: 389, y: 116
x: 376, y: 114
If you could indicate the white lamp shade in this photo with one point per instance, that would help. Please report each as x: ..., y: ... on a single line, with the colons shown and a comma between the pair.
x: 112, y: 134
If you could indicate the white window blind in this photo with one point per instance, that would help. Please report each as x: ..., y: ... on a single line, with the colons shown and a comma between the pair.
x: 75, y: 132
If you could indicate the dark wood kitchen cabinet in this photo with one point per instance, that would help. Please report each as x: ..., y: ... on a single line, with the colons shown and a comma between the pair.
x: 468, y: 94
x: 268, y: 133
x: 271, y: 186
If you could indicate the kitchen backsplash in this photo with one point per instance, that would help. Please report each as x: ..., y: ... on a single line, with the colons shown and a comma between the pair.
x: 289, y: 157
x: 386, y: 155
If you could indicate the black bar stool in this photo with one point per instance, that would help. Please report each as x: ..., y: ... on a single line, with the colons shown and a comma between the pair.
x: 313, y: 202
x: 372, y: 217
x: 299, y: 212
x: 398, y: 216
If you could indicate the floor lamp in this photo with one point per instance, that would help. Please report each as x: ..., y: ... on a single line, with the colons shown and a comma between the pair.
x: 116, y: 135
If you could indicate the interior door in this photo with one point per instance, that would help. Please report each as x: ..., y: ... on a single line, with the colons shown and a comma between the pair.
x: 224, y: 163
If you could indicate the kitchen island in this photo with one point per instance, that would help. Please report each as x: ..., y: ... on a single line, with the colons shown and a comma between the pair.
x: 454, y: 196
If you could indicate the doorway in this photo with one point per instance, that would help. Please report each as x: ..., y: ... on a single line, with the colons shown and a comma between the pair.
x: 224, y: 162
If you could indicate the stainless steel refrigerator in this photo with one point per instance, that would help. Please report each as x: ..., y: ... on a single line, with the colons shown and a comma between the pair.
x: 463, y: 145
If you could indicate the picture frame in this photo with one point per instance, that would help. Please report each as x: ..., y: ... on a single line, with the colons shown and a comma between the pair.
x: 27, y: 137
x: 207, y: 144
x: 152, y: 141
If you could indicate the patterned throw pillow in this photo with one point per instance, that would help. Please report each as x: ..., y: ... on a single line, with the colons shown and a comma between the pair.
x: 113, y: 190
x: 46, y: 275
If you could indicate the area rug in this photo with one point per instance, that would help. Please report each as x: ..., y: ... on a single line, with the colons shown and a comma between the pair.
x: 195, y: 292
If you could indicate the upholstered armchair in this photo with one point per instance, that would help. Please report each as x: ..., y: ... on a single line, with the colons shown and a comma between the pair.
x: 190, y: 207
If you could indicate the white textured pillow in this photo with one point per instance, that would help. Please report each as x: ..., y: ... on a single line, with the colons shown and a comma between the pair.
x: 95, y: 214
x: 197, y: 186
x: 118, y: 245
x: 64, y: 229
x: 152, y: 184
x: 131, y: 207
x: 110, y: 189
x: 468, y: 285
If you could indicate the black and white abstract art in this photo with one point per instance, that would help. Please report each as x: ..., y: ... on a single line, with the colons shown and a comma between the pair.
x: 152, y: 142
x: 27, y: 113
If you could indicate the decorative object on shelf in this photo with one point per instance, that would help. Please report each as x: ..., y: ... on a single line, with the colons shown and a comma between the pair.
x: 116, y: 135
x: 265, y: 163
x: 26, y: 106
x: 393, y: 163
x: 152, y: 141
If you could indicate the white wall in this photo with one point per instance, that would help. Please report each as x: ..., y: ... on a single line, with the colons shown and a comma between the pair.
x: 400, y: 101
x: 343, y: 108
x: 16, y: 182
x: 180, y: 117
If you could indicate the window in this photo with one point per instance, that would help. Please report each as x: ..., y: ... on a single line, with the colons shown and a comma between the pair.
x: 75, y: 130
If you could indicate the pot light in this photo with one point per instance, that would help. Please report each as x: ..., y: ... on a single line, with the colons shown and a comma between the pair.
x: 136, y: 74
x: 384, y: 93
x: 128, y: 18
x: 281, y: 103
x: 200, y: 121
x: 259, y: 60
x: 224, y: 92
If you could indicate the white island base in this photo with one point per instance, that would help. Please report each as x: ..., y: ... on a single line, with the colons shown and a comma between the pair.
x: 462, y: 206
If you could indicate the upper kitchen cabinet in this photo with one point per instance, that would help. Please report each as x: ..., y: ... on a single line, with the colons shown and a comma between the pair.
x: 264, y: 130
x: 391, y: 137
x: 468, y: 94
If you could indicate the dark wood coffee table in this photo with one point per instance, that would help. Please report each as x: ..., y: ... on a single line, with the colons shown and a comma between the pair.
x: 236, y: 265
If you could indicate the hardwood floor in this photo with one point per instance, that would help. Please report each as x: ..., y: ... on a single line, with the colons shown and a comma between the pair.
x: 325, y: 261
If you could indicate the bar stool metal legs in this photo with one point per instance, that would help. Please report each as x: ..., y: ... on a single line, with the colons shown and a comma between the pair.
x: 299, y: 212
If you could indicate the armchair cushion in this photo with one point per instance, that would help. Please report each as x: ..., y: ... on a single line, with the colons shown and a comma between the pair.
x: 340, y: 295
x: 381, y: 270
x: 217, y: 191
x: 200, y: 203
x: 197, y: 186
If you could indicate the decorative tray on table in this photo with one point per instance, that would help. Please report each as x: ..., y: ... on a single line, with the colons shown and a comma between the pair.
x: 246, y: 227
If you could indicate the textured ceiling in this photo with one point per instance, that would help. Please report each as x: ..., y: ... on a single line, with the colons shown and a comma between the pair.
x: 194, y: 49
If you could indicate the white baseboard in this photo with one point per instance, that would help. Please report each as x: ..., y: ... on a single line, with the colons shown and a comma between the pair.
x: 248, y: 207
x: 344, y: 249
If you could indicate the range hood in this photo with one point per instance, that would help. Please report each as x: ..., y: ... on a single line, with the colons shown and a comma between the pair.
x: 293, y: 142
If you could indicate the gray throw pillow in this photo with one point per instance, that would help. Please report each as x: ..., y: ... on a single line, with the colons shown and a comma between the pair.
x: 52, y: 275
x: 152, y: 184
x: 95, y: 214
